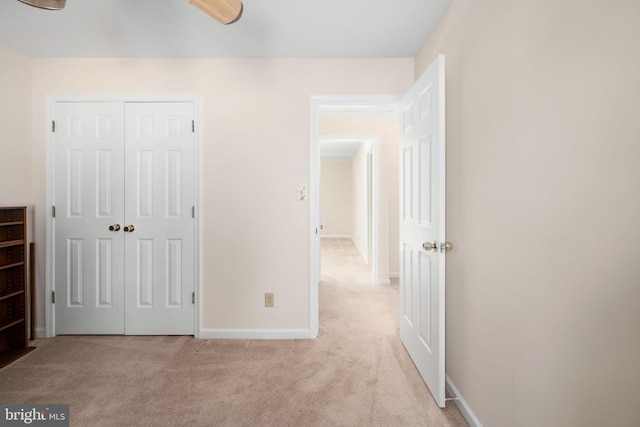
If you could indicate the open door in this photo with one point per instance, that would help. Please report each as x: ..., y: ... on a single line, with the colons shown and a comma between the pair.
x: 422, y: 227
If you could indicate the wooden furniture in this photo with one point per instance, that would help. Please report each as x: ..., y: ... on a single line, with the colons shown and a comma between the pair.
x: 13, y: 284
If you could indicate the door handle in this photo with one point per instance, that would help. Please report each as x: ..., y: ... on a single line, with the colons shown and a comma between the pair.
x: 129, y: 229
x: 427, y: 246
x: 114, y: 227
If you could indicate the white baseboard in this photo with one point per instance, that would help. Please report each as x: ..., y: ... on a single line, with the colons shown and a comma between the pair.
x: 394, y: 275
x: 462, y: 405
x: 254, y: 334
x: 360, y: 251
x: 240, y: 334
x: 336, y: 236
x: 383, y: 281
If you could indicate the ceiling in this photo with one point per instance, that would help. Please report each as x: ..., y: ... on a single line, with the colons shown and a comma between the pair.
x: 176, y: 29
x: 339, y: 150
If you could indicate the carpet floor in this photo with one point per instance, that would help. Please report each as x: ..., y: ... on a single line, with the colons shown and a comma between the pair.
x: 357, y: 373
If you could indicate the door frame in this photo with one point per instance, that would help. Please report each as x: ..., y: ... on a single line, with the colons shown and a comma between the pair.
x: 50, y: 329
x: 317, y: 103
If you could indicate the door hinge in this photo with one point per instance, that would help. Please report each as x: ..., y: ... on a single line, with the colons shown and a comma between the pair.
x: 53, y: 297
x: 53, y: 211
x: 193, y: 211
x: 193, y: 297
x: 53, y: 126
x: 193, y: 125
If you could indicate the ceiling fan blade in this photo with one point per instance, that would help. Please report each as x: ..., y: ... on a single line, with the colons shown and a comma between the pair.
x: 46, y: 4
x: 223, y: 11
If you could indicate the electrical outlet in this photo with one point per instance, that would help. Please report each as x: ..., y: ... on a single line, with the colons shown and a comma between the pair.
x: 269, y: 299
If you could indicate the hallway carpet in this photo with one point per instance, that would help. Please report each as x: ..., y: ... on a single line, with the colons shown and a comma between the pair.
x: 356, y: 373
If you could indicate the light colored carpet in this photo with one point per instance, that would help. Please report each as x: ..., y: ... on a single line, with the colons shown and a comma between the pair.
x: 356, y: 373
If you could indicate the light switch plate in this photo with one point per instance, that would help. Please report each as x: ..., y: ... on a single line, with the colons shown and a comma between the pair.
x: 302, y: 192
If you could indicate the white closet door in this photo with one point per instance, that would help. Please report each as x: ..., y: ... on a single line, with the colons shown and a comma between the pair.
x: 159, y: 233
x: 89, y: 198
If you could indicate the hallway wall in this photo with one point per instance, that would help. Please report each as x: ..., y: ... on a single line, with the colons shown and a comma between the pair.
x: 336, y: 199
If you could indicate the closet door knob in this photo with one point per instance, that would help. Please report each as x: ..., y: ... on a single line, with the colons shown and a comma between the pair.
x: 129, y: 229
x: 114, y: 227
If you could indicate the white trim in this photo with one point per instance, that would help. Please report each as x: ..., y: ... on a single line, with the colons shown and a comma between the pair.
x: 394, y: 275
x: 364, y: 256
x: 336, y: 236
x: 49, y: 329
x: 41, y: 332
x: 442, y: 204
x: 133, y: 97
x: 254, y: 334
x: 380, y: 281
x: 49, y: 308
x: 314, y: 218
x: 197, y: 288
x: 462, y: 405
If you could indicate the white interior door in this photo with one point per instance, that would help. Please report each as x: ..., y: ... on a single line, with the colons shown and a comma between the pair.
x: 422, y: 228
x: 129, y: 166
x: 159, y: 197
x: 89, y: 261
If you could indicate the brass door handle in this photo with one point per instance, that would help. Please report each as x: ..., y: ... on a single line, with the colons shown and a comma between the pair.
x: 433, y: 246
x: 129, y: 229
x: 114, y: 227
x: 427, y: 246
x: 446, y: 246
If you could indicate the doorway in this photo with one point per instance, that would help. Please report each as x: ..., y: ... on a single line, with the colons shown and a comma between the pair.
x: 365, y: 118
x: 347, y: 188
x: 422, y: 230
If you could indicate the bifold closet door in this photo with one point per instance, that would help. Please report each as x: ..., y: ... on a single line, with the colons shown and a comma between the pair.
x: 89, y: 200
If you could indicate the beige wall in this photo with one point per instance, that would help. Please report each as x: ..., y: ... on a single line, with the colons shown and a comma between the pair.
x: 255, y: 139
x: 15, y: 122
x: 359, y: 189
x: 384, y: 128
x: 543, y: 182
x: 336, y: 202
